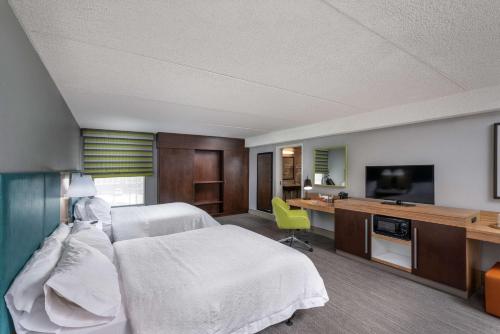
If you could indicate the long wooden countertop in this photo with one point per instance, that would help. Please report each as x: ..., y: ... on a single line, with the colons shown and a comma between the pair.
x: 477, y: 223
x: 484, y: 230
x: 313, y: 204
x: 423, y: 212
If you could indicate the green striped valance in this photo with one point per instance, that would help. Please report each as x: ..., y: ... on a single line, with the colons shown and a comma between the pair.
x: 109, y: 153
x: 321, y: 161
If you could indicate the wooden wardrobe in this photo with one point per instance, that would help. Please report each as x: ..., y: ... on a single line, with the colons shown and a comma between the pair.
x: 208, y: 172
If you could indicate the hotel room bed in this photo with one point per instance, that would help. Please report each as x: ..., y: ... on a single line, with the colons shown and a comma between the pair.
x: 155, y: 220
x: 223, y: 279
x: 218, y: 280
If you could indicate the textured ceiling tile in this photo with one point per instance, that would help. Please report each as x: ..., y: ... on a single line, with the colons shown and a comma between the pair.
x: 92, y: 108
x: 298, y: 61
x: 303, y: 46
x: 461, y: 38
x: 96, y: 69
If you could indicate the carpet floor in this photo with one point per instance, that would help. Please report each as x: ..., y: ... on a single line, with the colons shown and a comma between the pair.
x: 364, y: 299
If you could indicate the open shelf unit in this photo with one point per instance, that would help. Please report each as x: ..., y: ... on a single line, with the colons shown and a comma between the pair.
x: 208, y: 181
x: 392, y: 252
x: 391, y: 239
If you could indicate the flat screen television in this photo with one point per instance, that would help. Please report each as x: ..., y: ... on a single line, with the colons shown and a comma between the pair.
x: 414, y: 184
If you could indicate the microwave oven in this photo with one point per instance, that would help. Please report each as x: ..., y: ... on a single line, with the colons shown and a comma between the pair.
x: 392, y: 227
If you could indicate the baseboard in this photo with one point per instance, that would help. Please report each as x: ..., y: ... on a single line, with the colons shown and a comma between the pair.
x: 262, y: 214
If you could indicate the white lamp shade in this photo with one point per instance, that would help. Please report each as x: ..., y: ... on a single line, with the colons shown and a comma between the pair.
x: 81, y: 186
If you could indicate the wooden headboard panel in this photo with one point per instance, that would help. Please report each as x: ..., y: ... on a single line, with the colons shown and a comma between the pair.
x: 29, y: 211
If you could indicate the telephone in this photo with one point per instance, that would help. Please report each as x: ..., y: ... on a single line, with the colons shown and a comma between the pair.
x: 343, y: 195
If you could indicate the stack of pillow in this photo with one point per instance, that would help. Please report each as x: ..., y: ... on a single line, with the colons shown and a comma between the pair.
x: 71, y: 281
x: 94, y: 209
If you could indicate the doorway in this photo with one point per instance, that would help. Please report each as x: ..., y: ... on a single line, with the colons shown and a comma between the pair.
x: 289, y: 176
x: 265, y: 181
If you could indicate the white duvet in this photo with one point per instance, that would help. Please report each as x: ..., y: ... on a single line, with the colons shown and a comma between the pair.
x: 155, y: 220
x: 217, y: 280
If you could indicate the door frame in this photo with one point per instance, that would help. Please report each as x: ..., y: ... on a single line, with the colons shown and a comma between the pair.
x: 278, y: 173
x: 257, y: 179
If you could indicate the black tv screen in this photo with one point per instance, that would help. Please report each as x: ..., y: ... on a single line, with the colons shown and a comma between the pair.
x: 405, y: 183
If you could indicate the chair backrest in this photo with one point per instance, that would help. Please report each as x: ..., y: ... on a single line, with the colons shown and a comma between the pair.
x: 280, y: 209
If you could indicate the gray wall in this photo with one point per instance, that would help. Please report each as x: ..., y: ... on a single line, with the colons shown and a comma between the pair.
x: 461, y: 150
x: 151, y: 192
x: 37, y: 130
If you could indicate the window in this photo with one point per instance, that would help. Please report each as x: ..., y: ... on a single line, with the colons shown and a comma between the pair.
x: 121, y: 191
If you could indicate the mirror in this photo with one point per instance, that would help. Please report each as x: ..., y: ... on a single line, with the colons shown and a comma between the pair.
x: 330, y: 167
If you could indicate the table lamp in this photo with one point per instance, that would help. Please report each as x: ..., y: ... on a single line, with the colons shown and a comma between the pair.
x: 307, y: 186
x: 81, y: 186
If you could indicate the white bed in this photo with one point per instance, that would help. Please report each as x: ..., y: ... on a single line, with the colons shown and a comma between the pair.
x: 218, y: 280
x: 155, y: 220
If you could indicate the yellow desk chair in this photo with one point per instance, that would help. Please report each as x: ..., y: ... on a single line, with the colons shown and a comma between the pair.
x: 292, y: 220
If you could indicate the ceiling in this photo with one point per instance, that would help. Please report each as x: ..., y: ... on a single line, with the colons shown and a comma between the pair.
x: 247, y: 68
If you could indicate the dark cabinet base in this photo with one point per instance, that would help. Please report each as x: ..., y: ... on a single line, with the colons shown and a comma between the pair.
x: 439, y: 253
x: 352, y: 232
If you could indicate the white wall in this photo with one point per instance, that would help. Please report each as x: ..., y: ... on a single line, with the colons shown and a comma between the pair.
x: 461, y: 149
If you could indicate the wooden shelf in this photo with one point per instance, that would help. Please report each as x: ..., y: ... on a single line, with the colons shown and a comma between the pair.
x: 391, y: 262
x: 386, y: 238
x: 207, y: 202
x: 207, y: 182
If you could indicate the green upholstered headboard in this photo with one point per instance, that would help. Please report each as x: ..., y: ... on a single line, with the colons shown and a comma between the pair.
x: 29, y: 211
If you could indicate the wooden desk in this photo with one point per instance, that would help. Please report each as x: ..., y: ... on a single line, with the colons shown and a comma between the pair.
x: 476, y: 223
x: 423, y: 212
x: 312, y: 204
x: 482, y: 230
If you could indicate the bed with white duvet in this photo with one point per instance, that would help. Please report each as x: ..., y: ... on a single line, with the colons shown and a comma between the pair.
x: 123, y: 223
x: 217, y: 280
x: 155, y: 220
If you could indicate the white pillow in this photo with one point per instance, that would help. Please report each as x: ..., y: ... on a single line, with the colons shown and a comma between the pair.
x: 89, y: 209
x: 80, y: 225
x: 98, y: 209
x: 28, y: 285
x: 83, y: 289
x: 96, y: 238
x: 37, y: 320
x: 80, y: 209
x: 60, y: 233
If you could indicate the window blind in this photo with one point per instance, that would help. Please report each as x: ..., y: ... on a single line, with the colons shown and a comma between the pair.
x: 321, y: 161
x: 109, y: 153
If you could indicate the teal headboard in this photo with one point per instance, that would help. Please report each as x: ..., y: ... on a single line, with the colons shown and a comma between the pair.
x: 29, y: 211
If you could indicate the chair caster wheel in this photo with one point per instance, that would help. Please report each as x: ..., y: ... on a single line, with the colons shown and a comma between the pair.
x: 311, y: 250
x: 289, y: 322
x: 307, y: 242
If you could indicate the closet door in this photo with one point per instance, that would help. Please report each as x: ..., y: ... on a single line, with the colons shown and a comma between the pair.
x: 234, y: 179
x: 264, y: 181
x: 175, y: 175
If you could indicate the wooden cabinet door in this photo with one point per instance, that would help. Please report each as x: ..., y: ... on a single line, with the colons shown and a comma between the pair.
x: 439, y: 253
x: 265, y: 181
x: 234, y: 181
x: 352, y: 232
x: 175, y: 175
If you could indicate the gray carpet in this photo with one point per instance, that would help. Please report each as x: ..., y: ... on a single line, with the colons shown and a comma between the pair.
x: 364, y: 299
